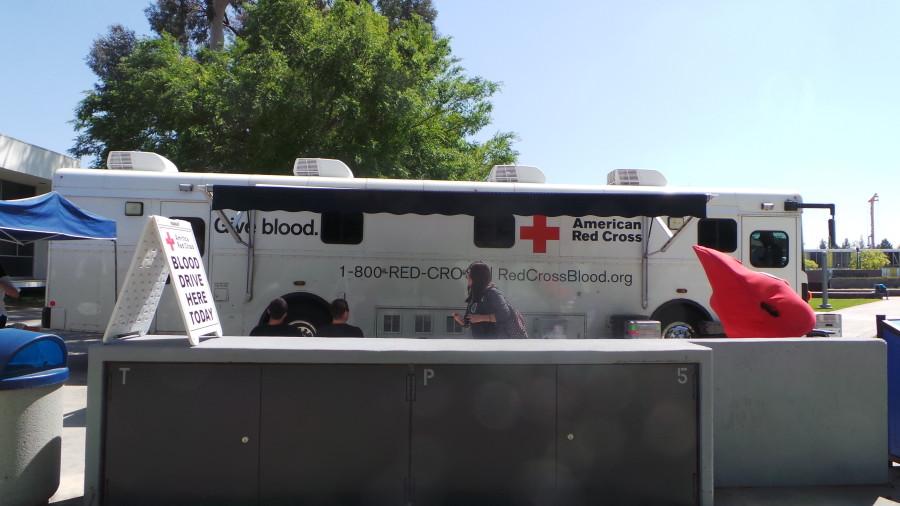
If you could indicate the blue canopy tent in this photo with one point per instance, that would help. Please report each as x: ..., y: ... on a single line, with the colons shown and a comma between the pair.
x: 50, y: 216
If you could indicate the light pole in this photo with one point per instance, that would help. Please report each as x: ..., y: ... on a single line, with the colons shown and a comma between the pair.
x: 791, y: 205
x: 857, y: 258
x: 825, y: 274
x: 872, y: 202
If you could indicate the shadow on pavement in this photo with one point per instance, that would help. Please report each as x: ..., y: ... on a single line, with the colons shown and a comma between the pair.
x: 78, y: 363
x: 858, y: 495
x: 77, y: 418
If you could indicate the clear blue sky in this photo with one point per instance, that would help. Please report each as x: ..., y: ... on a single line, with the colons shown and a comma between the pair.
x: 800, y: 95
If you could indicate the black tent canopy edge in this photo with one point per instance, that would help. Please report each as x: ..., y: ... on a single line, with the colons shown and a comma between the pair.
x: 371, y: 201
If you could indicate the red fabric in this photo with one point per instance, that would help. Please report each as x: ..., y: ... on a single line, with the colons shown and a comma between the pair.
x: 753, y: 304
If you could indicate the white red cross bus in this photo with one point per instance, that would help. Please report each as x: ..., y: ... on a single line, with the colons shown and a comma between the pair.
x: 574, y: 259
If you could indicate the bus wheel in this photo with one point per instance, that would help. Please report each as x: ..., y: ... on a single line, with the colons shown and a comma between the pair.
x: 307, y: 316
x: 304, y: 328
x: 679, y: 321
x: 679, y: 330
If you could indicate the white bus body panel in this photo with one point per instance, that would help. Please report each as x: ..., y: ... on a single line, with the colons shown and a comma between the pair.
x: 406, y: 265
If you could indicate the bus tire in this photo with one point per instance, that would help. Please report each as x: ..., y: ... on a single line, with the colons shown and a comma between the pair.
x: 679, y: 321
x: 679, y: 330
x: 304, y: 328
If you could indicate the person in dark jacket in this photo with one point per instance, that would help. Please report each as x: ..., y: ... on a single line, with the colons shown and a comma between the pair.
x: 340, y: 313
x: 276, y: 323
x: 487, y: 312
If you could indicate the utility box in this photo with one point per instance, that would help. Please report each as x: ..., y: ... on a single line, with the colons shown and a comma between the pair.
x: 643, y: 329
x: 32, y: 371
x: 830, y: 322
x: 618, y: 324
x: 274, y: 421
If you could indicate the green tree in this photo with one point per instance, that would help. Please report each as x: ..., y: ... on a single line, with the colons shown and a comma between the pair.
x: 398, y: 11
x: 885, y: 244
x: 868, y: 259
x: 108, y: 51
x: 823, y: 244
x: 300, y: 81
x: 104, y: 59
x: 810, y: 264
x: 197, y: 23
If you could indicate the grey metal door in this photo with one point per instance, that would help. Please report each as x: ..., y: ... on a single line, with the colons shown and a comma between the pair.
x: 628, y: 434
x: 483, y: 435
x: 181, y: 434
x: 334, y: 434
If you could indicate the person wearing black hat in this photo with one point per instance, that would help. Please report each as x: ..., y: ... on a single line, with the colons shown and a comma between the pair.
x: 276, y: 323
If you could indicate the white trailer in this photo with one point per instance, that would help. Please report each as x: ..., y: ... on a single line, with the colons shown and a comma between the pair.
x: 576, y: 260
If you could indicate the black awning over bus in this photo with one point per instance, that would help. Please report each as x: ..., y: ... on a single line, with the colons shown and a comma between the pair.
x: 323, y: 200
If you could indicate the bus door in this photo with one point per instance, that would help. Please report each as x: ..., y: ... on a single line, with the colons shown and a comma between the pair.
x: 168, y: 317
x: 770, y: 244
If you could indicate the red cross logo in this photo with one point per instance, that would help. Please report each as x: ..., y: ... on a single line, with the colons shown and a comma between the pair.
x: 170, y: 241
x: 539, y: 233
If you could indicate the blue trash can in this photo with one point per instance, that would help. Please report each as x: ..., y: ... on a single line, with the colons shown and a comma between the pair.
x: 889, y: 330
x: 881, y: 290
x: 32, y: 372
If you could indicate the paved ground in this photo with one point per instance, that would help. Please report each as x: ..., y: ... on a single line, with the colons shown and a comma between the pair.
x: 858, y: 321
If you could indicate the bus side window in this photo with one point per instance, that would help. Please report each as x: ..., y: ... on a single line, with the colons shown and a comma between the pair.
x: 769, y: 248
x: 423, y: 324
x: 453, y: 327
x: 391, y: 324
x: 199, y: 227
x: 342, y: 228
x: 495, y: 231
x: 718, y: 234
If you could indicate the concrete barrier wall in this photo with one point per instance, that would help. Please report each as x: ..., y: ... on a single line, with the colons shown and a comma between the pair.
x: 798, y: 412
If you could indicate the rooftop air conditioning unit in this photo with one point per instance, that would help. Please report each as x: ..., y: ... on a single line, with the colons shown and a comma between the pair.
x: 321, y: 167
x: 139, y: 160
x: 516, y: 174
x: 636, y: 177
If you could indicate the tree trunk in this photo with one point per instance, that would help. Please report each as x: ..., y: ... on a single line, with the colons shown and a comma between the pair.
x: 217, y: 24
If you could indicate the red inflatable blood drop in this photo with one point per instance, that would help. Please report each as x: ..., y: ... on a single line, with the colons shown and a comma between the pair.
x: 751, y: 303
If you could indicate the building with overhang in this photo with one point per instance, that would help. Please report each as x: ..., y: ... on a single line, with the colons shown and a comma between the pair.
x: 26, y: 170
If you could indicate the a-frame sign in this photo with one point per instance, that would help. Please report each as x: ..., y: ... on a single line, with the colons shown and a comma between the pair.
x: 167, y: 248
